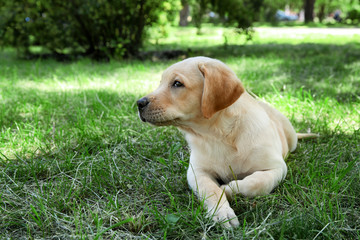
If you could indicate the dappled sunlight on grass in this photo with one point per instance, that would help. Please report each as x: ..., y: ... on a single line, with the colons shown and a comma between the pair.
x: 185, y: 38
x: 100, y: 84
x: 310, y: 113
x: 300, y: 35
x: 84, y: 75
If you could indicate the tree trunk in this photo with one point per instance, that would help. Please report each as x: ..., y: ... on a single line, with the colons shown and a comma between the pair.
x: 139, y: 28
x: 321, y: 14
x: 184, y: 14
x: 309, y: 10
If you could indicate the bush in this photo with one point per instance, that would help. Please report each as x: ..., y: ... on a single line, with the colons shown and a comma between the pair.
x: 94, y: 27
x: 354, y: 15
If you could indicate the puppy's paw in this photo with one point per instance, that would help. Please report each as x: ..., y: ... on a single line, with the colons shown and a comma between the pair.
x: 227, y: 190
x: 226, y: 216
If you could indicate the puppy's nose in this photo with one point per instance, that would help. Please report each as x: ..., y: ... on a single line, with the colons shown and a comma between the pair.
x: 142, y: 103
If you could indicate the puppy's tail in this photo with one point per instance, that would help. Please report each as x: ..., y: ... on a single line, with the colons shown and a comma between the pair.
x: 307, y: 135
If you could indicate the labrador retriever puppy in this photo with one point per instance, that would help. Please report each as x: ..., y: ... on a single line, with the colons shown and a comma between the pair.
x: 234, y: 138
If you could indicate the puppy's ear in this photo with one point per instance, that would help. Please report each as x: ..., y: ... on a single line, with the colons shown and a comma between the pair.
x: 221, y: 87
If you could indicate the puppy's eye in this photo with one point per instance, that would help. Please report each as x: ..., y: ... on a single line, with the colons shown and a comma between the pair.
x: 177, y: 84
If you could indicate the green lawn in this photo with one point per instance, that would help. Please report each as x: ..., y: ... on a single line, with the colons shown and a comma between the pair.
x: 77, y: 163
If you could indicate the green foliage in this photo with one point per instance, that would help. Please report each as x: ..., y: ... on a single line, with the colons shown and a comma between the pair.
x: 354, y: 14
x: 350, y: 9
x: 95, y: 27
x: 166, y: 18
x: 241, y: 13
x: 235, y: 13
x: 268, y: 10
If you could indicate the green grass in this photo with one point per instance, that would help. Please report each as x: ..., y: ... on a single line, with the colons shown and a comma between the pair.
x: 77, y: 163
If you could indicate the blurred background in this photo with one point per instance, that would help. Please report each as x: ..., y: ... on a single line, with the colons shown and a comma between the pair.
x: 104, y: 29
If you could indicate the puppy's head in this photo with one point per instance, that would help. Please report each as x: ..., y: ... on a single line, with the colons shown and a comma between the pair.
x: 195, y: 88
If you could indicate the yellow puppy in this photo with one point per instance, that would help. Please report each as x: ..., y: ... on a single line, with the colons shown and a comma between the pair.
x: 233, y: 137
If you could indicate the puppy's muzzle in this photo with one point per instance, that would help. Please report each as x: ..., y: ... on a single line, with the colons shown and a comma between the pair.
x: 142, y: 104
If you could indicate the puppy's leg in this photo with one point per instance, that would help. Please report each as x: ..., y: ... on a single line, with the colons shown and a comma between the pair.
x: 256, y: 184
x: 214, y: 197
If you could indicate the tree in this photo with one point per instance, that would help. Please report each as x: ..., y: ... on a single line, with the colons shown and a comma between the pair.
x: 184, y: 13
x: 236, y: 13
x: 309, y: 10
x: 321, y: 5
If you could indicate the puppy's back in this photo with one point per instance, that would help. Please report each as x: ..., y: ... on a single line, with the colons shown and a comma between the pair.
x: 283, y: 124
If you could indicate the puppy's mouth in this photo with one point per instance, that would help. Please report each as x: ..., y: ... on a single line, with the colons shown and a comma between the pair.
x: 155, y: 114
x: 141, y: 117
x: 158, y: 120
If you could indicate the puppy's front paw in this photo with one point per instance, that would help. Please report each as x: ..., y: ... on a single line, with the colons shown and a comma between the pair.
x: 226, y: 216
x: 227, y: 190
